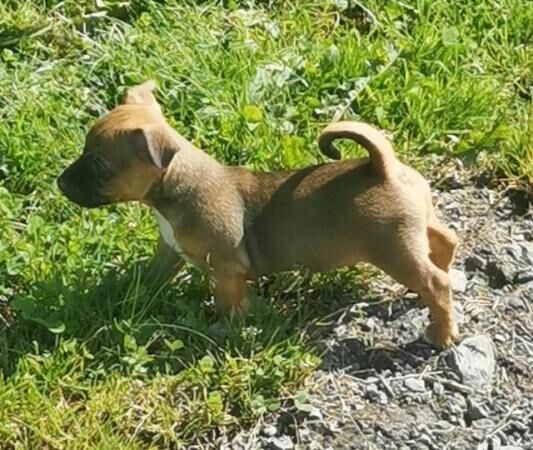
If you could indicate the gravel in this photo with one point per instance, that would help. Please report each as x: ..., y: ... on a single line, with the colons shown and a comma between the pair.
x: 381, y: 386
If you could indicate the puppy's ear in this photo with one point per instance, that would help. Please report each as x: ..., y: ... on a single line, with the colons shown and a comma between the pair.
x: 142, y: 94
x: 155, y: 145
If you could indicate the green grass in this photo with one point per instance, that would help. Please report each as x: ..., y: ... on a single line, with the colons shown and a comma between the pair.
x: 93, y: 357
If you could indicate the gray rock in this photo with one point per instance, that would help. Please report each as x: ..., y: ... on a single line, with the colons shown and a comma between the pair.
x: 373, y: 393
x: 511, y: 447
x: 316, y: 414
x: 415, y: 384
x: 516, y: 302
x: 499, y: 337
x: 280, y: 443
x: 475, y: 262
x: 523, y: 276
x: 452, y: 182
x: 444, y: 425
x: 369, y: 324
x: 269, y: 430
x: 527, y: 252
x: 473, y: 361
x: 496, y: 443
x: 499, y: 273
x: 483, y: 424
x: 527, y: 292
x: 438, y: 388
x: 475, y: 410
x: 514, y: 250
x: 458, y: 280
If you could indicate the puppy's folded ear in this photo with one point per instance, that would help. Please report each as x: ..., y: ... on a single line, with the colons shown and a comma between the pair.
x: 142, y: 94
x: 155, y: 145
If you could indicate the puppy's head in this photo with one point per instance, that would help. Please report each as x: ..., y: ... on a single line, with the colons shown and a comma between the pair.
x: 126, y: 152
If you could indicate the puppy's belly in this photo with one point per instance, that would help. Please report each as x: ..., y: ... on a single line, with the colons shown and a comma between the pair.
x: 295, y: 252
x: 167, y: 233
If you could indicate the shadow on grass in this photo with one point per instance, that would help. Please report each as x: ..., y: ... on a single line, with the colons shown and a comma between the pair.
x: 121, y: 314
x: 129, y: 324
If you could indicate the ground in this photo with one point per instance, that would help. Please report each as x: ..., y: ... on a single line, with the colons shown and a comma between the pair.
x: 94, y: 356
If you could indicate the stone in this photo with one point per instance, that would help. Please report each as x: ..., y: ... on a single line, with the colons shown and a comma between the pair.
x: 523, y: 276
x: 516, y: 302
x: 498, y: 337
x: 483, y: 424
x: 458, y: 280
x: 473, y: 361
x: 453, y: 408
x: 475, y: 410
x: 495, y: 443
x: 511, y: 447
x: 415, y: 384
x: 527, y: 292
x: 444, y: 425
x: 280, y: 443
x: 453, y: 182
x: 475, y: 262
x: 369, y: 324
x: 527, y: 252
x: 513, y: 250
x: 373, y: 393
x: 269, y: 430
x: 499, y: 274
x: 438, y: 388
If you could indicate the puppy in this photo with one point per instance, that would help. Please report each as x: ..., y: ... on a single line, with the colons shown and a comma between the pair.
x: 240, y: 224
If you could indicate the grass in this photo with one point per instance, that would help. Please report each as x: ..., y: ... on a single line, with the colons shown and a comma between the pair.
x: 92, y: 356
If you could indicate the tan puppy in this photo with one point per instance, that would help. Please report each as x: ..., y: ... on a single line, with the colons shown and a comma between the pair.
x: 240, y: 224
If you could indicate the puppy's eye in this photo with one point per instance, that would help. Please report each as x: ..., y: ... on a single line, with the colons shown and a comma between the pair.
x: 99, y: 163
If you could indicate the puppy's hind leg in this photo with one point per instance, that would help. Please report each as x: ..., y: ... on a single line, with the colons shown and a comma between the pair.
x: 435, y: 291
x: 442, y: 244
x: 412, y: 266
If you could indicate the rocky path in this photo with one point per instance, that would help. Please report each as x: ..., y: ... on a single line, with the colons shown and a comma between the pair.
x: 381, y: 386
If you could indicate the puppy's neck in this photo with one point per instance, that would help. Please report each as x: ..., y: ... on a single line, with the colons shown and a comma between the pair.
x: 190, y: 173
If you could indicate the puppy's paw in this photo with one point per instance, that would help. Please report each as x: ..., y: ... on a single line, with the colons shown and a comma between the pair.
x: 440, y: 336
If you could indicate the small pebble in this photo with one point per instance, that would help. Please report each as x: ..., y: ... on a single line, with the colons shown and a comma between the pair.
x: 474, y: 262
x: 483, y: 424
x: 438, y: 388
x: 415, y: 384
x: 269, y: 430
x: 280, y: 443
x: 458, y: 280
x: 499, y: 337
x: 516, y: 302
x: 475, y: 410
x: 524, y: 276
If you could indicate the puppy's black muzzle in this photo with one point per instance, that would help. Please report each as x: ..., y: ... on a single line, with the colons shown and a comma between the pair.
x: 83, y: 182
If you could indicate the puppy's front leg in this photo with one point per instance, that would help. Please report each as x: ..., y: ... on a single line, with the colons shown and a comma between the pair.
x: 231, y: 292
x: 165, y: 263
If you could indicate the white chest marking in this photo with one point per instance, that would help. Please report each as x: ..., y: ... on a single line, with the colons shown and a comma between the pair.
x: 167, y: 233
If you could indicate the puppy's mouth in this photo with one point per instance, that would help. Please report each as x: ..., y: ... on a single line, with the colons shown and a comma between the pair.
x: 80, y: 197
x: 82, y: 184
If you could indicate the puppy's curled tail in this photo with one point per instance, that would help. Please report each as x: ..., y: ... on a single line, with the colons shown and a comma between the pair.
x: 378, y: 146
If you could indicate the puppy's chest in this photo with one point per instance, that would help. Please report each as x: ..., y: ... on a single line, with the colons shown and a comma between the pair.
x: 168, y: 235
